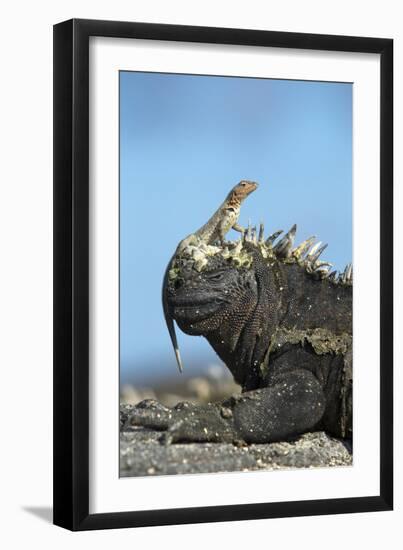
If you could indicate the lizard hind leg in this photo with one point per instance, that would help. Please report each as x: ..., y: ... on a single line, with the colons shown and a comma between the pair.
x: 294, y: 404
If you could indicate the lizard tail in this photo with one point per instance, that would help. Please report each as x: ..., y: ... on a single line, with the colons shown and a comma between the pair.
x: 169, y: 321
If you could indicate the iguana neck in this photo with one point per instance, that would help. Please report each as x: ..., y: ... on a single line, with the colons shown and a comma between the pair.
x: 310, y: 303
x: 243, y: 339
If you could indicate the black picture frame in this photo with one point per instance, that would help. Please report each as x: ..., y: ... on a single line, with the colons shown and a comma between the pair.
x: 71, y: 274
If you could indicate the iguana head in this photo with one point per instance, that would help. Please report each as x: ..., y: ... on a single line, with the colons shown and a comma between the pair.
x: 201, y: 298
x: 214, y: 292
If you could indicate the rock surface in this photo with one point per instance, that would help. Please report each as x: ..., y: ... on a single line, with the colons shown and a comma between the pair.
x: 141, y: 454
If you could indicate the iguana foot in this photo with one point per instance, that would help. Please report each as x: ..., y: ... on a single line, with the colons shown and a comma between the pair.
x: 185, y: 422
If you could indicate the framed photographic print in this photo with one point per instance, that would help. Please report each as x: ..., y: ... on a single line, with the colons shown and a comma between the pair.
x: 223, y: 241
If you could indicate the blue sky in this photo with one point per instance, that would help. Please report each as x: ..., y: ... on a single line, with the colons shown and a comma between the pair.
x: 184, y: 142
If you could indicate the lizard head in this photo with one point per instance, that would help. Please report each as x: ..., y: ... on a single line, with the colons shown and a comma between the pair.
x: 241, y: 191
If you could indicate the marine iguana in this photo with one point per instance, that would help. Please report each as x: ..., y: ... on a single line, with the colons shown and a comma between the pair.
x: 282, y: 323
x: 213, y: 231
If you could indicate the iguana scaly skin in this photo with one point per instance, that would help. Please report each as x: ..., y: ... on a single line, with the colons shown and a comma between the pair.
x: 282, y: 323
x: 212, y: 232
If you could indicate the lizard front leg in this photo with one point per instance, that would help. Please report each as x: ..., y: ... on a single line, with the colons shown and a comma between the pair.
x: 239, y: 228
x: 223, y: 230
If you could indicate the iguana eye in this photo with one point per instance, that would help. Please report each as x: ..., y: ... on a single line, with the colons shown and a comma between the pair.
x: 215, y: 276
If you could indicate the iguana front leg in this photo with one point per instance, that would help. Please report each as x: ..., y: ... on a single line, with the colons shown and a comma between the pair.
x: 292, y: 405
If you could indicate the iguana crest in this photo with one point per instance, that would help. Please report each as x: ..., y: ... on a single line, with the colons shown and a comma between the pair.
x: 196, y: 255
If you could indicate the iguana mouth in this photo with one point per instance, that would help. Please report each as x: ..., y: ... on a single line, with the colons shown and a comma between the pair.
x: 192, y: 300
x: 195, y: 313
x: 192, y: 309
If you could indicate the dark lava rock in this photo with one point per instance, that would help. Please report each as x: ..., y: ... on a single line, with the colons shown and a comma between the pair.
x: 141, y: 454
